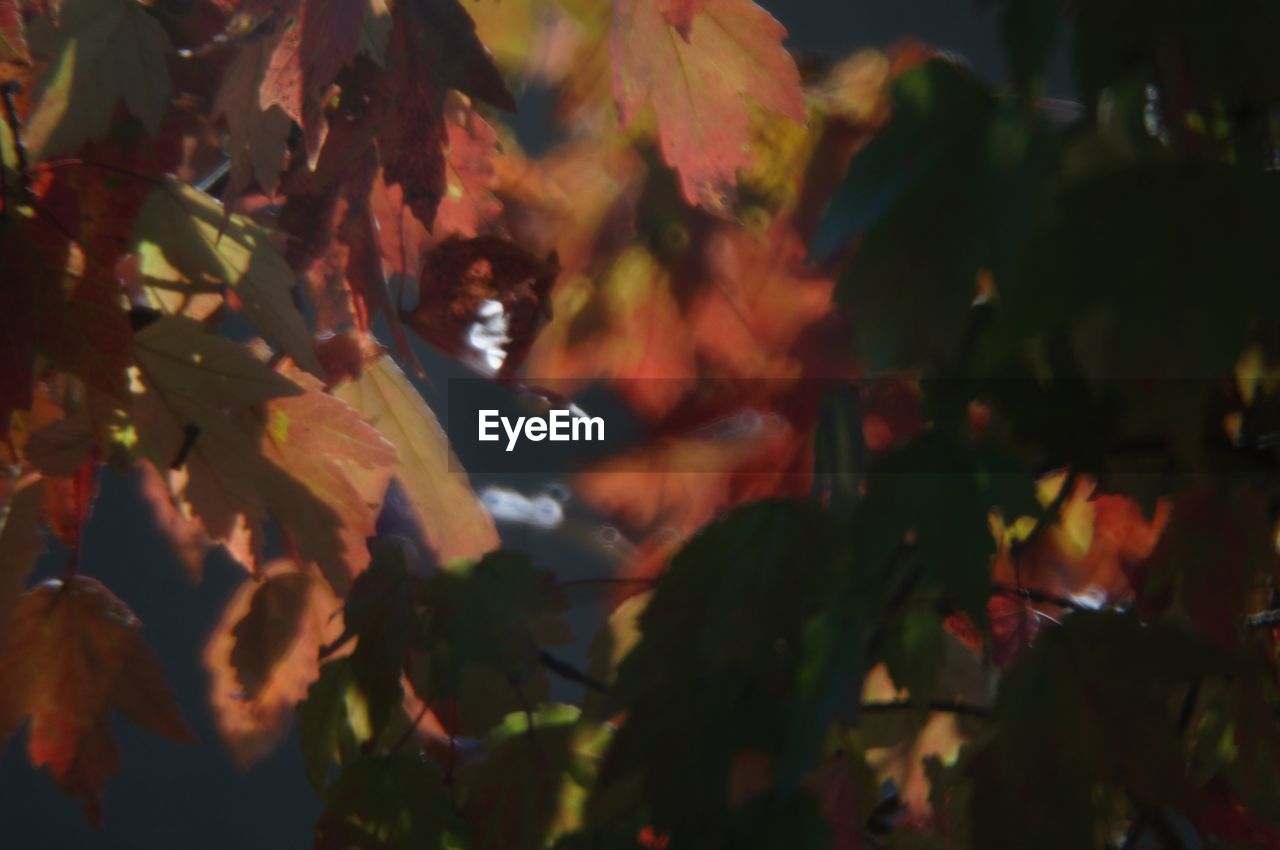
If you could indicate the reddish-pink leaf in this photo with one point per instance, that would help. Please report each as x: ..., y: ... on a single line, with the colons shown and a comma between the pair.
x: 680, y: 13
x: 317, y: 39
x: 433, y: 48
x: 13, y: 34
x: 697, y: 86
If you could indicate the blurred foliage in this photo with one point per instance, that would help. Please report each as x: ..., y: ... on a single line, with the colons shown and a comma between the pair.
x: 955, y: 521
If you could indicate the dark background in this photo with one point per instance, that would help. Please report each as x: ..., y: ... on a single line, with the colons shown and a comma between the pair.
x: 174, y: 797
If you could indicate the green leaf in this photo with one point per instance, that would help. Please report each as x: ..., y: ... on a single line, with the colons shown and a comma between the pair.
x: 1174, y: 261
x: 1031, y: 29
x: 798, y: 824
x: 530, y: 787
x: 106, y: 51
x: 333, y: 720
x: 380, y: 613
x: 203, y: 374
x: 1086, y: 718
x: 202, y: 242
x: 395, y: 802
x: 942, y: 492
x: 486, y: 622
x: 707, y: 679
x: 948, y: 190
x: 914, y: 649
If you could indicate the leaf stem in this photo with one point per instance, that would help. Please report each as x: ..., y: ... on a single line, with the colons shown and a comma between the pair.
x: 411, y: 728
x: 15, y: 130
x: 566, y: 670
x: 944, y: 706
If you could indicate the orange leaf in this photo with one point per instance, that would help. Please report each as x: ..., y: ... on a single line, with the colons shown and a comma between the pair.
x: 252, y: 725
x: 74, y: 651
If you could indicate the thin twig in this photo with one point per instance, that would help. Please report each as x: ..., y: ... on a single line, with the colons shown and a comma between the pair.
x: 944, y: 706
x: 76, y: 162
x: 15, y: 129
x: 566, y: 670
x: 581, y: 582
x: 1038, y: 596
x: 412, y: 727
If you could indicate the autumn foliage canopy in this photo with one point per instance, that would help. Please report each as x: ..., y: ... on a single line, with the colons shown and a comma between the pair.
x: 1001, y: 571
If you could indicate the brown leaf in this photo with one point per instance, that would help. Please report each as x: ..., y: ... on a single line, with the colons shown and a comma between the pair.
x: 73, y: 652
x: 482, y: 300
x: 252, y: 726
x: 265, y: 634
x: 22, y: 498
x: 57, y: 303
x: 256, y: 136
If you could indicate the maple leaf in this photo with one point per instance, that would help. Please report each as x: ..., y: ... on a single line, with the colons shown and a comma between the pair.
x: 69, y: 502
x: 194, y: 237
x: 256, y: 134
x: 393, y: 802
x: 483, y: 300
x: 21, y: 498
x: 266, y: 633
x: 468, y: 203
x: 455, y: 523
x: 379, y: 612
x: 701, y: 684
x: 333, y: 720
x: 13, y: 37
x: 696, y: 85
x: 311, y: 441
x: 189, y: 380
x: 74, y: 651
x: 187, y: 536
x: 899, y: 745
x: 107, y: 51
x: 62, y: 305
x: 433, y: 48
x: 485, y: 623
x: 530, y: 787
x: 1107, y: 685
x: 201, y: 374
x: 318, y: 37
x: 253, y: 724
x: 622, y: 326
x: 1215, y: 554
x: 1095, y: 544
